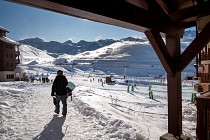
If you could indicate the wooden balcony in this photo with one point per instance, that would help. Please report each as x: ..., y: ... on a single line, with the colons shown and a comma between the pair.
x: 204, y: 77
x: 198, y: 88
x: 199, y: 75
x: 17, y: 53
x: 203, y: 116
x: 205, y: 57
x: 17, y: 61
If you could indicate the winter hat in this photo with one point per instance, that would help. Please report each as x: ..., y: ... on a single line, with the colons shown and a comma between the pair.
x: 59, y: 72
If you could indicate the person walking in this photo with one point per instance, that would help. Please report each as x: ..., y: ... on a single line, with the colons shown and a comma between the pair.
x: 59, y: 91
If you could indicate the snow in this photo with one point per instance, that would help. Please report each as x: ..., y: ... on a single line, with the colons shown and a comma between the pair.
x: 107, y: 112
x: 96, y: 112
x: 8, y: 40
x: 33, y: 55
x: 4, y: 29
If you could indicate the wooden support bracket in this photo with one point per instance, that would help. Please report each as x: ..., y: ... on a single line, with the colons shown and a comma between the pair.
x: 161, y: 51
x: 194, y: 48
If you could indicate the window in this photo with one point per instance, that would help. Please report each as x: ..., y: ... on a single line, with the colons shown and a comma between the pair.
x: 10, y: 76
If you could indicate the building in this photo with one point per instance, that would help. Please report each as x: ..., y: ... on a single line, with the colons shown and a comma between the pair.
x: 203, y: 63
x: 9, y: 56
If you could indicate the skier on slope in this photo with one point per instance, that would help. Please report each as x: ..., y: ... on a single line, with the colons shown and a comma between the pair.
x: 59, y: 91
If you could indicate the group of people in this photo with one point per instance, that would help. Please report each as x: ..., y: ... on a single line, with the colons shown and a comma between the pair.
x: 60, y: 92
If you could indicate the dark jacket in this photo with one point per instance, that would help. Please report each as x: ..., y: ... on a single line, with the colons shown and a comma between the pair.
x: 59, y: 85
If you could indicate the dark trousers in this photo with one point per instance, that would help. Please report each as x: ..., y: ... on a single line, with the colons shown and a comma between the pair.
x: 63, y: 99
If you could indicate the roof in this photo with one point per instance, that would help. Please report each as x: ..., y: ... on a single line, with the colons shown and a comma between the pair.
x: 165, y: 16
x: 4, y: 29
x: 9, y: 41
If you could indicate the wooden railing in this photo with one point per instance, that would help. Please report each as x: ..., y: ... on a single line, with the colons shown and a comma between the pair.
x: 17, y: 61
x: 198, y: 88
x: 205, y: 56
x: 204, y: 77
x: 203, y: 116
x: 17, y: 53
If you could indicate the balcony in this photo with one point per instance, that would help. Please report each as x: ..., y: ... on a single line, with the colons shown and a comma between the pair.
x: 205, y: 57
x: 17, y: 61
x: 199, y: 74
x: 198, y: 88
x: 204, y: 77
x: 17, y: 53
x: 203, y: 116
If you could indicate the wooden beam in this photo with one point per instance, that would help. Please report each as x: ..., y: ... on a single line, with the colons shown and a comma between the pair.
x: 194, y: 48
x: 140, y: 3
x: 127, y: 15
x: 161, y: 51
x: 191, y: 12
x: 164, y: 6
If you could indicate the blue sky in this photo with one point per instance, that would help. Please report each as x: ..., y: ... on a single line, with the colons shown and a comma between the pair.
x: 27, y: 22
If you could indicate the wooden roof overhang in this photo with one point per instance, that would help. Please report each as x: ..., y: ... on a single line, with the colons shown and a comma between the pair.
x: 140, y: 15
x: 154, y: 18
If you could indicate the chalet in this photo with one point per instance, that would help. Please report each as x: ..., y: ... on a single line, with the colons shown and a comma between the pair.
x: 9, y: 56
x: 203, y: 64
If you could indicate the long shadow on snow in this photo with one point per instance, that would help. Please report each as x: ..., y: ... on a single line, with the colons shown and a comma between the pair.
x: 52, y: 130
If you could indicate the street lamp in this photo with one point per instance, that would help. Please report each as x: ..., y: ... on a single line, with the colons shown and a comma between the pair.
x: 125, y: 71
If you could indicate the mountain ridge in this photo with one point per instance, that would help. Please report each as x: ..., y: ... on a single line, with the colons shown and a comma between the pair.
x: 69, y: 47
x: 138, y: 55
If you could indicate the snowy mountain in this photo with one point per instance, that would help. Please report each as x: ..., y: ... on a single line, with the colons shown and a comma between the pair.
x: 72, y: 48
x: 67, y: 47
x: 32, y: 55
x: 138, y: 58
x: 133, y: 54
x: 115, y: 57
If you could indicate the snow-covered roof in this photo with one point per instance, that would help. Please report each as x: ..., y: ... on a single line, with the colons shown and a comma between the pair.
x: 9, y: 41
x: 2, y: 28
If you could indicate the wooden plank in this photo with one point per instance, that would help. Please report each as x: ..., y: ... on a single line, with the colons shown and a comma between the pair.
x: 143, y: 4
x: 191, y: 12
x: 194, y: 48
x: 164, y: 6
x: 161, y: 51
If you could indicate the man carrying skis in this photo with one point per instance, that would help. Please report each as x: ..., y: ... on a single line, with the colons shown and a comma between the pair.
x: 59, y: 91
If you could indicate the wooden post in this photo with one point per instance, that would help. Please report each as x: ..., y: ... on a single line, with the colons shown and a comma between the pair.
x: 174, y: 105
x: 174, y: 89
x: 169, y: 56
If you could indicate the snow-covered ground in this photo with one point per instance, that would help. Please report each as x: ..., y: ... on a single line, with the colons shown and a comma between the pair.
x: 96, y: 112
